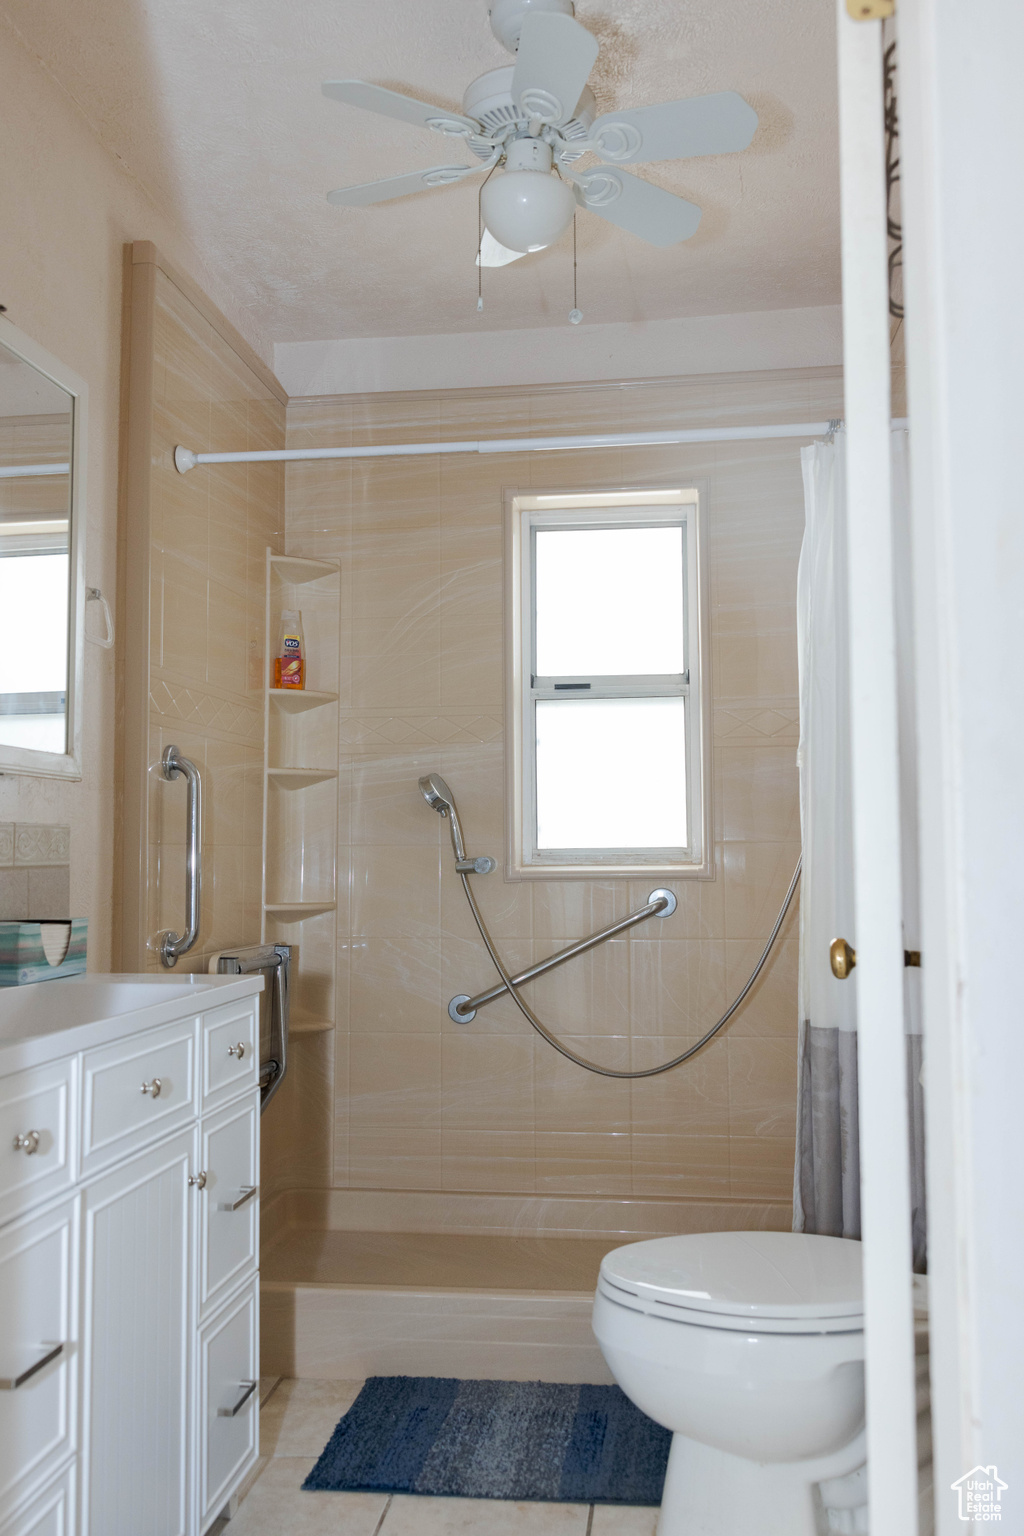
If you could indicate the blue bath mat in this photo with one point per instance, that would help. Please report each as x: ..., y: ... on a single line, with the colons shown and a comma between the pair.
x: 529, y: 1440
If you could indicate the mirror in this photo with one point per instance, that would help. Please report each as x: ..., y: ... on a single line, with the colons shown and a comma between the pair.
x: 41, y: 590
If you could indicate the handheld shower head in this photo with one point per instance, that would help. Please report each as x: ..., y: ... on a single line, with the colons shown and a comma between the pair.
x: 436, y: 793
x: 440, y: 798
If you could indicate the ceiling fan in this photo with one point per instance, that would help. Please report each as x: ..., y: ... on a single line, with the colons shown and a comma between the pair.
x: 530, y: 122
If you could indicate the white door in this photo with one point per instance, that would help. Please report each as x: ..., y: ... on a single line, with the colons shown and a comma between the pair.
x: 137, y: 1223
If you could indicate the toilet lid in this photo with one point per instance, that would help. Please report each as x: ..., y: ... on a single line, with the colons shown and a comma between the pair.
x: 743, y: 1275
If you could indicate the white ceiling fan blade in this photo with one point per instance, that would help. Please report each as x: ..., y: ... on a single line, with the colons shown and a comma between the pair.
x: 634, y: 205
x: 400, y: 186
x: 701, y: 125
x: 494, y: 254
x: 374, y: 98
x: 555, y: 57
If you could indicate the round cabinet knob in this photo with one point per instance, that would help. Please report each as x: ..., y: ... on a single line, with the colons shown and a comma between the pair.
x: 153, y: 1088
x: 197, y: 1180
x: 842, y: 958
x: 237, y: 1050
x: 27, y: 1142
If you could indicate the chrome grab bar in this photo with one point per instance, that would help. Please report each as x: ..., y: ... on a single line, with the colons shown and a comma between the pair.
x: 660, y: 903
x: 174, y: 944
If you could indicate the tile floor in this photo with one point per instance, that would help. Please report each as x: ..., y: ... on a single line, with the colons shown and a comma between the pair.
x: 296, y: 1420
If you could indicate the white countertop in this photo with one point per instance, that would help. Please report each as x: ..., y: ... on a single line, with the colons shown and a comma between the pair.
x: 51, y: 1019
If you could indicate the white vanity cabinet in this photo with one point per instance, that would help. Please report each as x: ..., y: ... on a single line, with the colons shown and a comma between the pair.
x: 129, y: 1240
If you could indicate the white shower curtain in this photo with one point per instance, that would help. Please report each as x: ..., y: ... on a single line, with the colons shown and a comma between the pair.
x: 826, y: 1195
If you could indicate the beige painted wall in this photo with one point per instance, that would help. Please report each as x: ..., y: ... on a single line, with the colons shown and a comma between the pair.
x: 420, y: 1102
x: 68, y: 210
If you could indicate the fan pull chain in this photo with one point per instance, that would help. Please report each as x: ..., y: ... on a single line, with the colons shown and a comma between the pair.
x: 480, y: 239
x: 575, y: 314
x: 479, y: 250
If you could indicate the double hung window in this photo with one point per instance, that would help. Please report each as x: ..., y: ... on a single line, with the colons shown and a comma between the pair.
x: 608, y: 731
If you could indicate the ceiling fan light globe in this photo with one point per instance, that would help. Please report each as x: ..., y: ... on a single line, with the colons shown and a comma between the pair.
x: 527, y: 210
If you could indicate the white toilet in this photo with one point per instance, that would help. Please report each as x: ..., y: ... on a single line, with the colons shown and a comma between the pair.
x: 749, y: 1346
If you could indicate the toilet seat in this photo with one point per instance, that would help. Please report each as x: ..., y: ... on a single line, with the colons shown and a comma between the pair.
x: 760, y: 1282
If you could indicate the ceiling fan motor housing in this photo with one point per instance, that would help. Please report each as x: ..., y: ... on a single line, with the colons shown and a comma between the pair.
x: 507, y: 17
x: 489, y: 99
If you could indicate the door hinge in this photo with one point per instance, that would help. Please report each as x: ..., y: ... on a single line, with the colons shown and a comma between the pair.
x: 870, y: 10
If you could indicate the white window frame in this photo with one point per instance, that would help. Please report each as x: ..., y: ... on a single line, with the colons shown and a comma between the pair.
x: 524, y: 514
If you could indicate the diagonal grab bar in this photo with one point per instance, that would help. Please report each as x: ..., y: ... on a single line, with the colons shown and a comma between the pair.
x: 660, y: 903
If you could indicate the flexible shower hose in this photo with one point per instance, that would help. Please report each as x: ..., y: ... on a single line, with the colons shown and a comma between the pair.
x: 593, y: 1066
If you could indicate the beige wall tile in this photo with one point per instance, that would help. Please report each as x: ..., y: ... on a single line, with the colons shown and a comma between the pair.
x: 762, y: 1087
x: 489, y: 1160
x: 757, y: 794
x: 588, y: 996
x: 398, y: 1158
x: 678, y: 986
x: 691, y: 1099
x: 757, y: 876
x: 584, y: 1162
x: 771, y: 1007
x: 395, y: 1082
x: 696, y: 1167
x: 761, y: 1168
x: 487, y: 1083
x: 567, y: 1098
x: 395, y: 985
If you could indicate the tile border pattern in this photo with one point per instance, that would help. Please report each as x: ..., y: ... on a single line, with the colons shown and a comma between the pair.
x: 31, y: 845
x: 411, y: 728
x: 196, y: 707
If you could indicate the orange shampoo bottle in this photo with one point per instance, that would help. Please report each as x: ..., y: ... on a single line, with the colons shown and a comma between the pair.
x: 290, y: 661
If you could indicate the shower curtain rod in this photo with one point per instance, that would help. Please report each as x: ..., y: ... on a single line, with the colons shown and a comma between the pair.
x: 18, y: 471
x: 185, y: 459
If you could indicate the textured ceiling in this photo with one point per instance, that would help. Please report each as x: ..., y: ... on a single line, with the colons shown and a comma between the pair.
x: 214, y: 106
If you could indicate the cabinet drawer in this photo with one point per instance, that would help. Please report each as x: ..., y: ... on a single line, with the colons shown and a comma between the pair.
x: 38, y: 1312
x: 48, y: 1513
x: 229, y: 1219
x: 36, y: 1138
x: 141, y: 1088
x: 228, y: 1400
x: 230, y: 1052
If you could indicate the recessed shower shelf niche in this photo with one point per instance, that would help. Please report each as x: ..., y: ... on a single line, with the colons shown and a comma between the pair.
x: 303, y: 1026
x: 300, y: 792
x: 300, y: 778
x: 296, y: 571
x: 297, y: 911
x: 295, y: 701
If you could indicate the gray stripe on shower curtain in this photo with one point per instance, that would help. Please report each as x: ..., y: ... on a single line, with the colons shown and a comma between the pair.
x: 828, y: 1153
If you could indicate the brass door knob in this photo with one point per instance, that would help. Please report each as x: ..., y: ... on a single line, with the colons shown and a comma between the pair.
x: 842, y: 958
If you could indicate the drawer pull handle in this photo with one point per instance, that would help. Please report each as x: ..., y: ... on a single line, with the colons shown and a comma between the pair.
x: 246, y: 1195
x: 248, y: 1388
x: 154, y: 1087
x: 237, y: 1050
x: 28, y: 1142
x: 197, y: 1180
x: 12, y: 1383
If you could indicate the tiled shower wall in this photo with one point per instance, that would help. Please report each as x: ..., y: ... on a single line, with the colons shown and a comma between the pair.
x: 420, y: 1102
x: 203, y: 566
